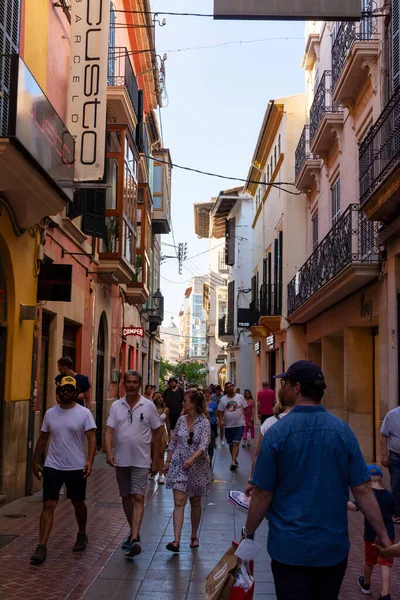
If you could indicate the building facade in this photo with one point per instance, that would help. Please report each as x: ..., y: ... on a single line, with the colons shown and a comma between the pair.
x: 170, y: 343
x: 99, y: 236
x: 344, y: 295
x: 229, y: 218
x: 279, y: 237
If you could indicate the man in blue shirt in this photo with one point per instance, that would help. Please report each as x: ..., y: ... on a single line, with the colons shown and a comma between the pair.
x: 305, y: 466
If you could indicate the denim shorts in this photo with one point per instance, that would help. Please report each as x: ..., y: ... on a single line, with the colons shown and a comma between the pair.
x: 234, y: 434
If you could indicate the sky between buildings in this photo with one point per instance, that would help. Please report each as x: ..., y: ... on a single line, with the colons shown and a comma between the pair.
x: 211, y: 120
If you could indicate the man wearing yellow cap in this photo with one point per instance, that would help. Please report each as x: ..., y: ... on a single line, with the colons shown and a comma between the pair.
x: 66, y: 425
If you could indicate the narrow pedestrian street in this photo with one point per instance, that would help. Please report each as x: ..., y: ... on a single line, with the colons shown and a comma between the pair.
x: 104, y: 572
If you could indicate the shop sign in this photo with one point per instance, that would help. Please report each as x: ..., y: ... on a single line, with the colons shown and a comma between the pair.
x: 37, y: 126
x: 247, y: 317
x: 87, y: 88
x: 271, y: 341
x: 321, y: 10
x: 220, y: 361
x: 137, y: 331
x: 54, y: 283
x: 257, y: 348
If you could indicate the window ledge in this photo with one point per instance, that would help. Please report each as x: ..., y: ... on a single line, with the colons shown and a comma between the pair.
x: 73, y: 230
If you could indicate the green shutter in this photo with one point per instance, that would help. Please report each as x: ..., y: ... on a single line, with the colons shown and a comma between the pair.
x: 9, y: 42
x: 94, y: 211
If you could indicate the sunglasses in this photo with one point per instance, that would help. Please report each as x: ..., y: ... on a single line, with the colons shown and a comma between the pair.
x: 190, y: 438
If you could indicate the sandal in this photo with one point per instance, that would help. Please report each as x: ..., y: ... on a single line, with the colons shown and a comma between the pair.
x: 173, y: 546
x: 193, y: 544
x: 396, y: 520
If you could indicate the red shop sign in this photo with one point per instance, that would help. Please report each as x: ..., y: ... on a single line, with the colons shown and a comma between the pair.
x: 138, y: 331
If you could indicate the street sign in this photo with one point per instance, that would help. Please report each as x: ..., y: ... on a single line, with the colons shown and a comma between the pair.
x: 54, y: 283
x: 319, y: 10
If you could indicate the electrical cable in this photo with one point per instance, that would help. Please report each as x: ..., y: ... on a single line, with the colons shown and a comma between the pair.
x: 224, y: 44
x: 166, y: 14
x: 278, y: 184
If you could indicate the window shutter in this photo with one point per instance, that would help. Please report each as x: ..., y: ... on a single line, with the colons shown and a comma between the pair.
x: 94, y: 211
x: 335, y: 201
x: 395, y: 44
x: 314, y: 222
x: 265, y: 263
x: 278, y: 274
x: 9, y: 42
x: 75, y: 208
x: 230, y: 242
x: 230, y: 330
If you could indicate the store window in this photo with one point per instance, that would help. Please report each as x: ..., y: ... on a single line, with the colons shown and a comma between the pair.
x: 70, y: 335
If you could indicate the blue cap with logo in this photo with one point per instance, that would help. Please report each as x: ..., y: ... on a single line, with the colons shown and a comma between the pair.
x: 304, y: 371
x: 374, y: 470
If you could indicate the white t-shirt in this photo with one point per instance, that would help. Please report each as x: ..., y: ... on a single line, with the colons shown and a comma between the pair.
x: 270, y: 421
x: 132, y: 440
x: 233, y: 410
x: 391, y: 429
x: 67, y: 428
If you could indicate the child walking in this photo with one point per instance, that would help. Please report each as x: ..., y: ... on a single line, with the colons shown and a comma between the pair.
x: 388, y: 509
x: 249, y: 418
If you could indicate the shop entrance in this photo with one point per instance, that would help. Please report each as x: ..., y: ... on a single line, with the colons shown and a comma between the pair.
x: 101, y: 348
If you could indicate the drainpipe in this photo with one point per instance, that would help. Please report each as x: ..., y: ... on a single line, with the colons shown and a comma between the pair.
x: 32, y: 408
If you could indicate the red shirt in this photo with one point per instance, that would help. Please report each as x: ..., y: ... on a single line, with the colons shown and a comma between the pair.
x: 266, y: 401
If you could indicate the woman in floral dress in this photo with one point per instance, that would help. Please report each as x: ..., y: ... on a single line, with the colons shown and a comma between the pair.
x: 188, y: 467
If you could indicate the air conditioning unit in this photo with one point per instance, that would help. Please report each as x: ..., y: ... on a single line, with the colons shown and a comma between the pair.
x: 114, y: 375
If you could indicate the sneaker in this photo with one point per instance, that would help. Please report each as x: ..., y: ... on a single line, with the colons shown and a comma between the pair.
x: 223, y: 443
x: 161, y: 480
x: 39, y: 555
x: 81, y: 542
x: 243, y: 443
x: 366, y: 589
x: 134, y: 549
x: 125, y: 545
x: 233, y: 466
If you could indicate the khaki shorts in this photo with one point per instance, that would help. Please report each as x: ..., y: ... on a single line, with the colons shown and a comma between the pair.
x: 132, y: 480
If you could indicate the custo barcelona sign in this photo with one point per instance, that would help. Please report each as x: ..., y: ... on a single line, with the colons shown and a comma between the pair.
x: 324, y: 10
x: 87, y: 90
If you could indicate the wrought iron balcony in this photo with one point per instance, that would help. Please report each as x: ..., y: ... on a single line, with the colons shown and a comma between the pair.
x: 355, y: 44
x: 379, y: 159
x: 305, y: 161
x: 323, y: 115
x: 348, y: 248
x: 121, y: 81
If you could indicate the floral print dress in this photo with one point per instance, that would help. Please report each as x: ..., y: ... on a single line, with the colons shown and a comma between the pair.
x: 196, y: 481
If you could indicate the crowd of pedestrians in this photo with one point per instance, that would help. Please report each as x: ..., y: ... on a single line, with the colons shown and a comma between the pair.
x: 303, y: 463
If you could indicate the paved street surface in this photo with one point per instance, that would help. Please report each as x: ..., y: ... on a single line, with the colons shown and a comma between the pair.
x: 104, y: 572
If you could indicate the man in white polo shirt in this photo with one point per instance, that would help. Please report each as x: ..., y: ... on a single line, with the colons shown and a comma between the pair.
x: 128, y: 437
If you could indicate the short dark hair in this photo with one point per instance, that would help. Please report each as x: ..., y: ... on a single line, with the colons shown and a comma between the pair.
x: 313, y: 391
x: 148, y: 386
x: 132, y: 373
x: 66, y: 361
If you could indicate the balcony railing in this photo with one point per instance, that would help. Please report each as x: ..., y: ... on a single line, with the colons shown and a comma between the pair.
x: 303, y: 152
x: 322, y: 104
x: 121, y: 74
x: 349, y: 33
x: 222, y: 266
x: 351, y: 240
x: 379, y: 153
x: 270, y: 300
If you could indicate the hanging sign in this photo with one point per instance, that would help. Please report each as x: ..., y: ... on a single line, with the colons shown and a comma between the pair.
x: 257, y: 348
x: 138, y: 331
x: 323, y: 10
x: 271, y: 341
x: 87, y: 88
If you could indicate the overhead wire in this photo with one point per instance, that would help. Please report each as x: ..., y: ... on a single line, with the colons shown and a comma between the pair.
x: 278, y: 184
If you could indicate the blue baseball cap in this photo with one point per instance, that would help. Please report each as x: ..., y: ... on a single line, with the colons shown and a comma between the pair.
x: 374, y: 470
x: 304, y: 371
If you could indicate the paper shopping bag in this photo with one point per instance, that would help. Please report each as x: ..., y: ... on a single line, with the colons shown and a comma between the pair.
x: 220, y: 581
